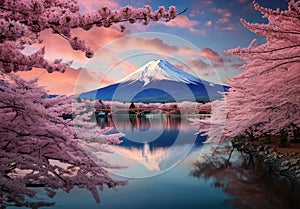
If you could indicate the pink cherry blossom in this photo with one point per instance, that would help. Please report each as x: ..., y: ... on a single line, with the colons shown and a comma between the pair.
x: 265, y: 98
x: 20, y: 19
x: 38, y: 146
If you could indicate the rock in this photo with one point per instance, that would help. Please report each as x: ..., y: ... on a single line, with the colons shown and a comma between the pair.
x: 285, y: 163
x: 293, y: 154
x: 259, y: 148
x: 281, y: 163
x: 284, y: 168
x: 275, y: 155
x: 267, y: 148
x: 294, y: 161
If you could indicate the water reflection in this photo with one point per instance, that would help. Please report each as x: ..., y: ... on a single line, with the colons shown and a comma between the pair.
x: 152, y: 144
x: 247, y: 180
x: 140, y: 123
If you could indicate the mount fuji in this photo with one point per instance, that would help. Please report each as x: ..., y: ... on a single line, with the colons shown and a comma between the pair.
x: 158, y: 81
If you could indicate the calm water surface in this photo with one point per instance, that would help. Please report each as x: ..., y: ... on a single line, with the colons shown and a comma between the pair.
x: 169, y: 167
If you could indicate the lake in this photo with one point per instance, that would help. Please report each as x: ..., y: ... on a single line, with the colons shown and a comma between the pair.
x: 168, y: 166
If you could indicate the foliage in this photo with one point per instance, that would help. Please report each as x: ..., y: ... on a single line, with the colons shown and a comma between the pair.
x: 22, y: 21
x: 38, y: 146
x: 265, y: 98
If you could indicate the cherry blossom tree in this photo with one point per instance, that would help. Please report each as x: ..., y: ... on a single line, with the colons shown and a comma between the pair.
x: 264, y: 99
x: 38, y: 145
x: 21, y: 22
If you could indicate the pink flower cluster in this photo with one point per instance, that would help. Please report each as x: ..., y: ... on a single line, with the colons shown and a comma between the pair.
x: 265, y: 98
x: 38, y: 146
x: 19, y: 19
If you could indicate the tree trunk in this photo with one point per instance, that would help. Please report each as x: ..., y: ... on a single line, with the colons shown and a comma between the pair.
x: 296, y: 135
x: 251, y: 161
x: 250, y: 135
x: 283, y: 139
x: 269, y: 138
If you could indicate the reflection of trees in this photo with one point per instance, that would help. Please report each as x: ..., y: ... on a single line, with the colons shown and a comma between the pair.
x: 173, y: 123
x: 140, y: 123
x: 143, y: 123
x: 249, y: 183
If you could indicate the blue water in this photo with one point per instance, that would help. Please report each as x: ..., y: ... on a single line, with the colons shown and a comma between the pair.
x: 161, y: 153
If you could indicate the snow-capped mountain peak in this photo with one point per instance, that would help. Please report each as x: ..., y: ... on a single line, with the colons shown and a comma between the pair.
x: 158, y: 70
x: 156, y: 82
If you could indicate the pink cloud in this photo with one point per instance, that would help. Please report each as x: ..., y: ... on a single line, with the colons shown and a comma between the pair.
x: 148, y: 44
x: 199, y: 7
x: 227, y: 14
x: 181, y: 67
x: 121, y: 67
x: 183, y: 22
x: 58, y: 48
x: 219, y: 10
x: 203, y: 3
x: 213, y: 55
x: 203, y: 68
x: 55, y: 83
x: 66, y: 83
x: 208, y: 73
x: 228, y: 27
x: 225, y: 18
x: 198, y: 64
x: 156, y: 45
x: 224, y: 13
x: 106, y: 80
x: 208, y: 23
x: 98, y: 37
x: 128, y: 67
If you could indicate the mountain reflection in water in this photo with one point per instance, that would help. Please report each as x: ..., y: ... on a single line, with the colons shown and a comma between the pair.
x: 201, y: 175
x: 247, y: 184
x: 151, y: 145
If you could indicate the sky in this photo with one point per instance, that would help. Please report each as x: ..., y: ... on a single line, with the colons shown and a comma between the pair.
x: 195, y: 42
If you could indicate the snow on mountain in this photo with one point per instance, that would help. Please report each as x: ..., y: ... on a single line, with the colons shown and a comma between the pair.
x: 158, y: 70
x: 158, y: 81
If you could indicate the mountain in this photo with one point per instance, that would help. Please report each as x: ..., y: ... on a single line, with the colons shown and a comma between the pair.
x: 159, y: 70
x: 158, y: 81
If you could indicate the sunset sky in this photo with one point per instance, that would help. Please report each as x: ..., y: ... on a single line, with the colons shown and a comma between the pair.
x: 194, y: 42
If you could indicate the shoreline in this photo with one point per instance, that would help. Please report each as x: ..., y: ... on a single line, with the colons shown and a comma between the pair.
x: 285, y: 165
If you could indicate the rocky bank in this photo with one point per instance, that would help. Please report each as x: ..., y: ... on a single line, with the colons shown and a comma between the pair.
x: 286, y: 165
